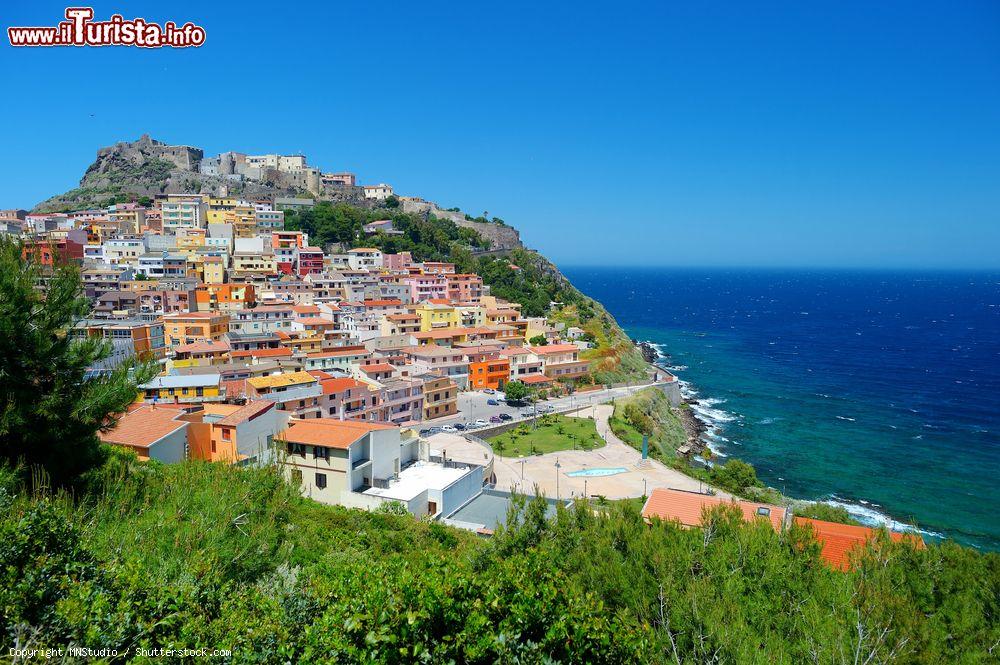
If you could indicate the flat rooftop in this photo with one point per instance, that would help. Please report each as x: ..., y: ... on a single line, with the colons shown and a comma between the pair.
x: 418, y: 477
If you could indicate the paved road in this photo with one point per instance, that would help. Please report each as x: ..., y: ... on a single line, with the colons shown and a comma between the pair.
x: 472, y: 405
x: 527, y: 473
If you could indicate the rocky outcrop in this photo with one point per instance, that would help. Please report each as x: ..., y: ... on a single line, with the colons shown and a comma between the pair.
x: 502, y: 237
x: 147, y: 167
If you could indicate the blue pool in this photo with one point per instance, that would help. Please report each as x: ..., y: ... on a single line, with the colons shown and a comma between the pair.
x: 590, y: 473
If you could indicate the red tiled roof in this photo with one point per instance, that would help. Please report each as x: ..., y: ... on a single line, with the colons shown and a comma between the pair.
x: 248, y: 412
x: 144, y: 426
x: 331, y: 386
x: 554, y: 348
x: 532, y: 379
x: 687, y: 507
x: 837, y: 540
x: 377, y: 367
x: 262, y: 353
x: 329, y: 433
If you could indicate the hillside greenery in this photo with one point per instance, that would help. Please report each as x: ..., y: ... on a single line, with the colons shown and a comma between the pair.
x: 519, y: 275
x: 206, y: 555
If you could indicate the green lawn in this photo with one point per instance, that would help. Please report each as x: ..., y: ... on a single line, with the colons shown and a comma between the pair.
x: 552, y: 433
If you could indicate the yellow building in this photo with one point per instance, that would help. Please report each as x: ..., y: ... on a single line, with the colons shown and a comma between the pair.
x: 218, y: 207
x: 437, y: 315
x: 213, y: 270
x: 184, y: 388
x: 189, y: 240
x: 248, y: 265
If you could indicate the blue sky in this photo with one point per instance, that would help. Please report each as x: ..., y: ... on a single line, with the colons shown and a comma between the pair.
x: 656, y: 133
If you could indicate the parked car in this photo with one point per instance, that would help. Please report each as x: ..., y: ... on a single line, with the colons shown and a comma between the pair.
x: 495, y: 419
x: 506, y: 416
x: 489, y: 391
x: 493, y: 402
x: 448, y: 428
x: 459, y: 426
x: 480, y: 423
x: 425, y: 432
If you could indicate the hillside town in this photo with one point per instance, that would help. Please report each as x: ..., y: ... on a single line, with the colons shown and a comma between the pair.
x: 371, y: 378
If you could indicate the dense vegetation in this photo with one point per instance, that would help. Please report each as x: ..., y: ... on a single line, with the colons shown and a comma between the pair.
x: 202, y: 554
x: 49, y: 413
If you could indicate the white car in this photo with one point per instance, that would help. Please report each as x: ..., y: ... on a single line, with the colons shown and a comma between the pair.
x: 448, y: 428
x: 480, y: 423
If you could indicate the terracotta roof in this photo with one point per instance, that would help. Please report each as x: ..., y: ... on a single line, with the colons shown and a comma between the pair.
x: 687, y: 507
x: 329, y: 433
x: 554, y: 348
x: 315, y: 321
x: 144, y: 426
x: 377, y: 367
x: 331, y: 386
x: 248, y: 412
x: 379, y: 303
x: 262, y: 353
x: 532, y: 379
x: 235, y: 387
x: 362, y: 249
x: 305, y: 309
x: 837, y: 540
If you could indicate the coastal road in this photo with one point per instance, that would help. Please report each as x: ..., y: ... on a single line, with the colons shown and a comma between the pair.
x: 473, y: 404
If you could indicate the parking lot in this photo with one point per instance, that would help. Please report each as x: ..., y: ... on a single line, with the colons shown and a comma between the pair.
x: 474, y: 405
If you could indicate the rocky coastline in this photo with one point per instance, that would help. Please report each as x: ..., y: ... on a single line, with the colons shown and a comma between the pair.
x: 695, y: 427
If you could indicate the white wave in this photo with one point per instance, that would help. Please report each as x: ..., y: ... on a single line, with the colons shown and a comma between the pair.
x: 846, y: 418
x: 867, y: 514
x: 713, y: 415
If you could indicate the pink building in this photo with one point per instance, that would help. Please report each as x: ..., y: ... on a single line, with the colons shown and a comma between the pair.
x: 400, y: 261
x: 426, y: 287
x: 465, y: 287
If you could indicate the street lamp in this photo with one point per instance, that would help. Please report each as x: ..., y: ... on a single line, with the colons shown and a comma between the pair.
x: 558, y: 466
x: 521, y: 462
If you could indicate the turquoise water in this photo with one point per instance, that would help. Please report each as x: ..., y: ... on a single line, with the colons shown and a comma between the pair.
x: 876, y: 391
x: 592, y: 473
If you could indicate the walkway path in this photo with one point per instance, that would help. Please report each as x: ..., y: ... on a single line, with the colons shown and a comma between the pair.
x: 523, y: 474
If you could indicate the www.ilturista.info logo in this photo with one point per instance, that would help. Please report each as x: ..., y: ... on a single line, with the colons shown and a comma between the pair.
x: 79, y: 29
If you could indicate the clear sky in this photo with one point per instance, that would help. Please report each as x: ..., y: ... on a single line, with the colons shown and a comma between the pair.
x: 658, y: 133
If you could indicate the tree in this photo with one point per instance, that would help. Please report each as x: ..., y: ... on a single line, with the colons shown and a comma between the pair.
x: 735, y: 476
x: 391, y: 201
x: 538, y: 340
x: 516, y: 391
x: 50, y: 409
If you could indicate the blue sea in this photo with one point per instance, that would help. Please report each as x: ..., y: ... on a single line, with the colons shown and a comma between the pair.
x: 877, y: 391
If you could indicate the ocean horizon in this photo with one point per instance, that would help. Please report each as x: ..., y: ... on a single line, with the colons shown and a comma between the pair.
x: 874, y: 389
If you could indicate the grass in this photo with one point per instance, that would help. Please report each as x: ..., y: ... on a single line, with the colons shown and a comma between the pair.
x: 552, y: 433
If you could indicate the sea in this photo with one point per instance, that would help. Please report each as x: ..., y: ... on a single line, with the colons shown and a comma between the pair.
x: 875, y: 391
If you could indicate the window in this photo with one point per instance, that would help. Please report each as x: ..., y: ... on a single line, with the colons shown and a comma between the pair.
x: 763, y: 511
x: 319, y: 452
x: 226, y: 434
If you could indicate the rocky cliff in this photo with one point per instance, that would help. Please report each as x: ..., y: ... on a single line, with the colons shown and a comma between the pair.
x: 148, y: 167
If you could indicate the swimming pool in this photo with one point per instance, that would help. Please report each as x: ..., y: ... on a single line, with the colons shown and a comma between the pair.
x: 590, y: 473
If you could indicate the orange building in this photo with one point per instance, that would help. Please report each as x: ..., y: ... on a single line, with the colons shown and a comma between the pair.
x: 186, y: 328
x: 491, y: 373
x: 224, y: 297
